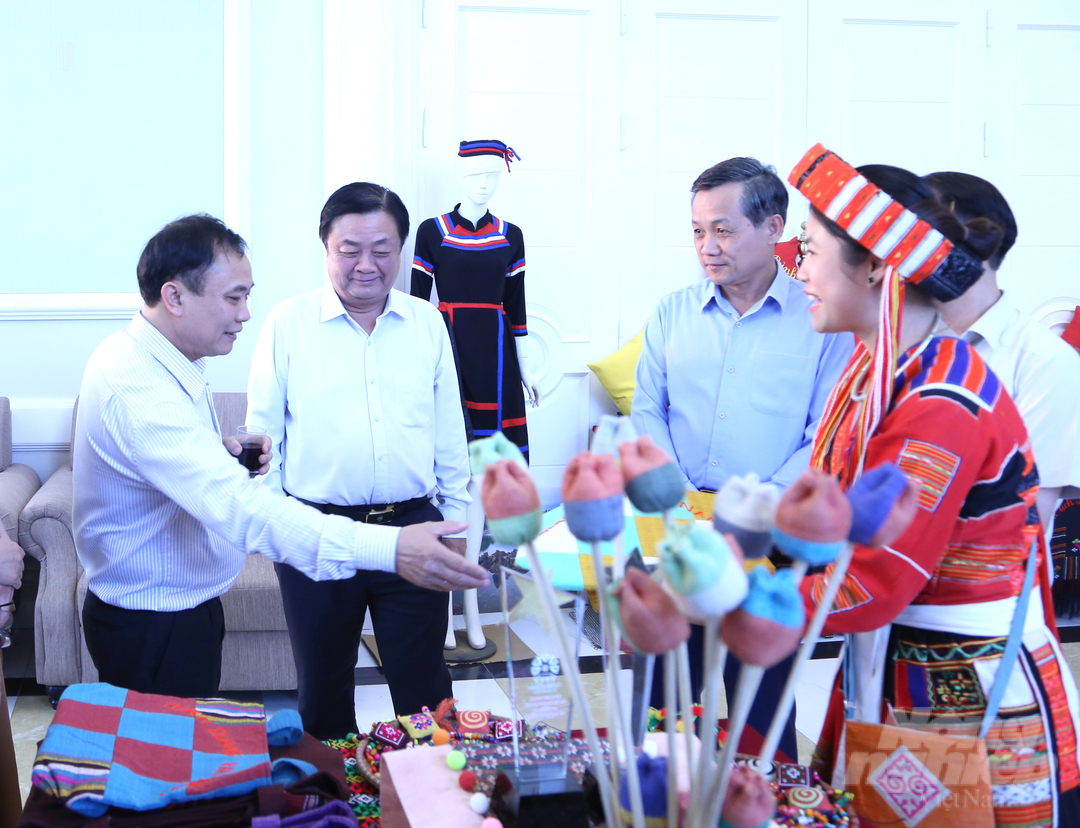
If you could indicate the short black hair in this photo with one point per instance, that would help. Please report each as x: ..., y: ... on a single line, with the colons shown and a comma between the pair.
x: 363, y: 197
x: 971, y: 197
x: 182, y: 251
x: 763, y: 192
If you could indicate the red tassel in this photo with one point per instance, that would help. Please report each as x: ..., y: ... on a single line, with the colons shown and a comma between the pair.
x: 444, y: 709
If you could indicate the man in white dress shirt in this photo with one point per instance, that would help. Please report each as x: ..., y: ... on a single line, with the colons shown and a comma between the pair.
x: 162, y: 513
x: 1039, y: 370
x: 357, y: 388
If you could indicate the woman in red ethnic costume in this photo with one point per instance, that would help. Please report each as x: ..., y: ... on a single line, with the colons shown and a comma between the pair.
x: 932, y: 612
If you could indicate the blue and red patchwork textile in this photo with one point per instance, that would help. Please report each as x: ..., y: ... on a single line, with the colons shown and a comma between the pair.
x: 113, y: 747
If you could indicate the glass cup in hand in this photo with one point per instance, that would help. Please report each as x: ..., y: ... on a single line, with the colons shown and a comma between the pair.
x: 251, y: 447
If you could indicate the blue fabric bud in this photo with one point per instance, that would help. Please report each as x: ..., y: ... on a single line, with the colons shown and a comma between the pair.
x: 595, y: 520
x: 652, y: 770
x: 775, y: 597
x: 657, y: 489
x: 814, y: 553
x: 872, y: 497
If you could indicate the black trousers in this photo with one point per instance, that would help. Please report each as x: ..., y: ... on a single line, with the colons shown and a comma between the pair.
x: 325, y: 620
x: 171, y: 653
x: 765, y: 703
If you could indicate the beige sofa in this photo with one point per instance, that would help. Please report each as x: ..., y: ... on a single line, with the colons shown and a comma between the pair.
x: 256, y: 655
x: 17, y: 482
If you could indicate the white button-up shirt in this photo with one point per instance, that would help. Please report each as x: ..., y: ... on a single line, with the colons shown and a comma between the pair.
x: 1042, y: 375
x: 162, y: 512
x: 360, y: 418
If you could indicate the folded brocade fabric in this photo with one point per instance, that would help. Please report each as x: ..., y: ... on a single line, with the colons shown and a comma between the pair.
x: 110, y: 747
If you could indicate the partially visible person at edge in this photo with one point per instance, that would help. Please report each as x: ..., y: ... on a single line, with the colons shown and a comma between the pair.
x: 933, y: 408
x: 732, y: 376
x: 1040, y: 371
x: 163, y: 514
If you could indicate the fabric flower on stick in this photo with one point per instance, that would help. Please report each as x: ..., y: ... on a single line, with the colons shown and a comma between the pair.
x: 882, y: 503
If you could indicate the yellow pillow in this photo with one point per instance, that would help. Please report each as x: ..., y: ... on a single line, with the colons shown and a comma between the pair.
x: 616, y: 373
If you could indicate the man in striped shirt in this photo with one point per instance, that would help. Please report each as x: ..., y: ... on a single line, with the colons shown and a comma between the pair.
x: 163, y: 515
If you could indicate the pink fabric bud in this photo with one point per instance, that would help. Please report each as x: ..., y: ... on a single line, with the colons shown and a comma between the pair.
x: 508, y: 490
x: 640, y: 456
x: 750, y: 801
x: 591, y: 476
x: 756, y: 640
x: 814, y: 509
x: 648, y: 615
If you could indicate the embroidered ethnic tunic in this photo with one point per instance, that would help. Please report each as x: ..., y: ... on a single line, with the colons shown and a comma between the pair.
x: 944, y: 584
x: 955, y: 431
x: 479, y: 272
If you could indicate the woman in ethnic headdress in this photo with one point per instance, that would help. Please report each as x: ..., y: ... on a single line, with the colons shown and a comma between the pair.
x: 877, y: 248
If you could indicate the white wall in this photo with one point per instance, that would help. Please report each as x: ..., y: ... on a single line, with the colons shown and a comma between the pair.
x: 120, y: 115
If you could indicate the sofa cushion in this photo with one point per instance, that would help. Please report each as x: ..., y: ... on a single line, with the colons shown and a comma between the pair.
x: 253, y: 602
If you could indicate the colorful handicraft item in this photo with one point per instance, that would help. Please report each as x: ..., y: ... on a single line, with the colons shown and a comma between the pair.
x: 652, y: 771
x: 647, y: 615
x: 801, y: 798
x: 767, y: 626
x: 388, y: 734
x: 419, y: 725
x: 653, y: 481
x: 813, y: 519
x: 701, y: 568
x: 744, y: 509
x: 473, y: 721
x: 111, y: 747
x: 592, y: 492
x: 511, y: 503
x: 750, y: 802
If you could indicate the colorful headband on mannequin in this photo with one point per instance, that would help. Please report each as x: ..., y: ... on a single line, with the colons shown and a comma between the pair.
x: 490, y: 148
x: 921, y: 254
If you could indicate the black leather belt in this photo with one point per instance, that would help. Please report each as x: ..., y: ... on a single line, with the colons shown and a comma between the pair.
x: 370, y: 512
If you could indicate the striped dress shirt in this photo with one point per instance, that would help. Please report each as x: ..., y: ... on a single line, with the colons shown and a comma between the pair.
x: 162, y: 513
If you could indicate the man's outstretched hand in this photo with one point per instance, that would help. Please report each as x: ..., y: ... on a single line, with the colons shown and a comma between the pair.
x: 424, y: 560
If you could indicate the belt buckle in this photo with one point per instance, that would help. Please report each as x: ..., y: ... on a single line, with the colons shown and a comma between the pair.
x: 378, y: 515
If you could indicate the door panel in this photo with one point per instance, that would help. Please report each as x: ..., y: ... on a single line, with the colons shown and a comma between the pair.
x: 702, y: 81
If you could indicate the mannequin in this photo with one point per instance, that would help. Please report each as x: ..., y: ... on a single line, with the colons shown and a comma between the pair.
x: 477, y: 263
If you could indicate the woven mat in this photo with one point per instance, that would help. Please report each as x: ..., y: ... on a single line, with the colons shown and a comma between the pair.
x: 518, y: 649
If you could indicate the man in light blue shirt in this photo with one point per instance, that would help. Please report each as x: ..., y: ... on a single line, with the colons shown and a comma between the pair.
x: 732, y: 377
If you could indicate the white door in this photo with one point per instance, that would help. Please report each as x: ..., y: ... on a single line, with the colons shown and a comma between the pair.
x: 543, y: 77
x: 1033, y: 140
x: 703, y: 80
x: 897, y: 82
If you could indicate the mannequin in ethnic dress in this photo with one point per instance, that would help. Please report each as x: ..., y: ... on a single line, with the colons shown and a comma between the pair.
x: 477, y: 264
